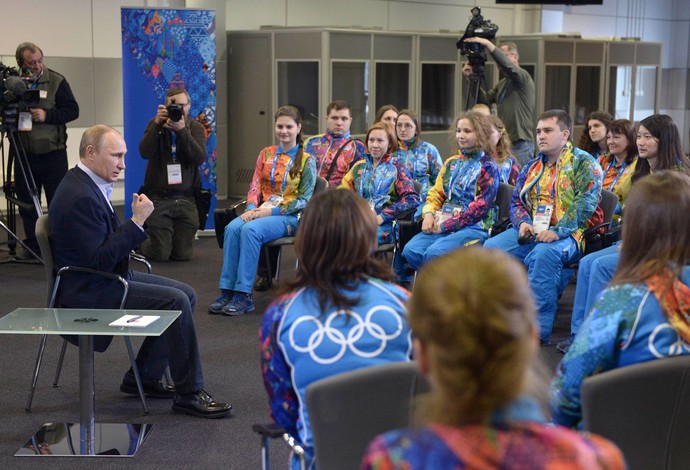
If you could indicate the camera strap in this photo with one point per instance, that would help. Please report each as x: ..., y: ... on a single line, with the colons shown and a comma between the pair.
x: 335, y: 160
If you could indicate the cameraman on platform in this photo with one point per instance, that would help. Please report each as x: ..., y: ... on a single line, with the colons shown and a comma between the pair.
x: 514, y: 96
x: 43, y: 134
x: 174, y: 146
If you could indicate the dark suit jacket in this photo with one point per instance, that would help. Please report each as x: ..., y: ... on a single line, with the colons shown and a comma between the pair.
x: 85, y: 232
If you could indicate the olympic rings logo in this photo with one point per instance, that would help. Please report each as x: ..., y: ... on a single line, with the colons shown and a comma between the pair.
x: 676, y: 348
x: 375, y: 324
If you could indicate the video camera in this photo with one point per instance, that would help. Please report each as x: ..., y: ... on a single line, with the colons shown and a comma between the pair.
x: 14, y: 91
x: 175, y: 112
x: 476, y: 53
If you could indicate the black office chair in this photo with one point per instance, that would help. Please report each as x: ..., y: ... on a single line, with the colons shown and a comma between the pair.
x: 53, y: 284
x: 503, y: 199
x: 645, y: 410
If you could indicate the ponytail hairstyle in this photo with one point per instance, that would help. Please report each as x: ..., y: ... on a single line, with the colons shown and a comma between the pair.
x: 293, y: 113
x: 479, y: 347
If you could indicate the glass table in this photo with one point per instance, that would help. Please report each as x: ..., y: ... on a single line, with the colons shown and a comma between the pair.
x: 102, y: 439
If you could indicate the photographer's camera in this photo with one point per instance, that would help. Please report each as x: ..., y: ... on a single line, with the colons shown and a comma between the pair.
x: 175, y: 112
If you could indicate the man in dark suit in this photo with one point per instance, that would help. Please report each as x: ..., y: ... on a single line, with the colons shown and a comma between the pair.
x: 85, y: 231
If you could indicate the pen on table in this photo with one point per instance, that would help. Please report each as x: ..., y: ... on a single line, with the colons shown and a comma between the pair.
x: 133, y: 319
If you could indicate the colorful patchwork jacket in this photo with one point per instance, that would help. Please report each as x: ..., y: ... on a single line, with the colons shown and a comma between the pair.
x: 423, y: 162
x: 517, y: 439
x: 470, y: 181
x: 271, y: 176
x: 388, y: 187
x: 617, y: 178
x: 301, y: 344
x: 509, y: 171
x: 577, y: 193
x: 324, y: 147
x: 626, y: 326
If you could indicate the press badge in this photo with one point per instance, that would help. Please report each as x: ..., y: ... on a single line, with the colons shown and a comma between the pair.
x: 43, y: 94
x: 25, y: 123
x: 542, y: 219
x: 174, y: 173
x: 271, y: 202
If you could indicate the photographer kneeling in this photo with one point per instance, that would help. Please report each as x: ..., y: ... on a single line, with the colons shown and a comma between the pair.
x: 514, y: 96
x: 175, y: 146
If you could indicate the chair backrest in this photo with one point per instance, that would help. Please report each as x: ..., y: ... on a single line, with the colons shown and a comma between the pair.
x: 347, y: 410
x: 320, y: 184
x: 608, y: 204
x: 503, y: 198
x: 42, y: 236
x: 645, y: 410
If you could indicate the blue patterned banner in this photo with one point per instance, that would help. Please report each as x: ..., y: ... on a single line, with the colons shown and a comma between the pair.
x: 164, y: 48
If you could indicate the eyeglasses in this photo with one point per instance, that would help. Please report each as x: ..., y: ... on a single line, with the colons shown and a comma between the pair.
x: 404, y: 125
x: 183, y: 104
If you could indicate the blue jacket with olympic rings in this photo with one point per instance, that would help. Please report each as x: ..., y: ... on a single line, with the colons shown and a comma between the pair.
x: 300, y: 344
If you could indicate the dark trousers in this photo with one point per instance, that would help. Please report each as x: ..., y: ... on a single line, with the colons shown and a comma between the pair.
x: 177, y: 346
x: 47, y: 170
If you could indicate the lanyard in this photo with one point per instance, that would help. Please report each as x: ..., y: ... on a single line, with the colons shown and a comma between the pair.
x: 618, y: 175
x: 553, y: 184
x: 453, y: 177
x: 173, y: 146
x: 285, y: 175
x: 370, y: 176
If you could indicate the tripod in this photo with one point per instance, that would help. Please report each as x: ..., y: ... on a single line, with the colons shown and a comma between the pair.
x: 476, y: 80
x: 8, y: 186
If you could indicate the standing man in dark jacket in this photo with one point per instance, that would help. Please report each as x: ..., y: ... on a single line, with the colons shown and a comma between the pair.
x: 514, y: 96
x: 174, y: 146
x: 46, y: 141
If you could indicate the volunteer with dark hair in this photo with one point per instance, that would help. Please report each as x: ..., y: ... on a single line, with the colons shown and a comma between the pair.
x: 458, y: 210
x: 46, y: 141
x: 644, y: 314
x: 282, y: 184
x: 174, y: 150
x: 387, y: 114
x: 659, y: 148
x: 555, y: 200
x: 388, y: 188
x: 420, y: 158
x: 340, y: 313
x: 593, y: 138
x: 335, y: 151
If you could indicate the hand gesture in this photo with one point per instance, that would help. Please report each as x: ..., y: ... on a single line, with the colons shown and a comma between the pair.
x: 142, y: 207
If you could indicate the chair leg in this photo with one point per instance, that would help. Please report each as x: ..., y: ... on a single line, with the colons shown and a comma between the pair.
x: 135, y: 371
x: 168, y: 376
x: 280, y: 255
x: 58, y: 370
x: 269, y: 267
x: 37, y: 367
x: 265, y: 453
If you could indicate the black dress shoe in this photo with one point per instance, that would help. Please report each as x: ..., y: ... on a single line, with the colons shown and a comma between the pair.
x: 201, y: 405
x: 261, y: 283
x: 152, y: 388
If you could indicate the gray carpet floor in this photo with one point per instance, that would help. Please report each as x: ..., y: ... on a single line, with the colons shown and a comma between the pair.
x: 230, y: 355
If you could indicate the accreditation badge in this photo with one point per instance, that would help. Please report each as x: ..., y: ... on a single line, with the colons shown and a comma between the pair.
x: 542, y: 218
x: 174, y: 173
